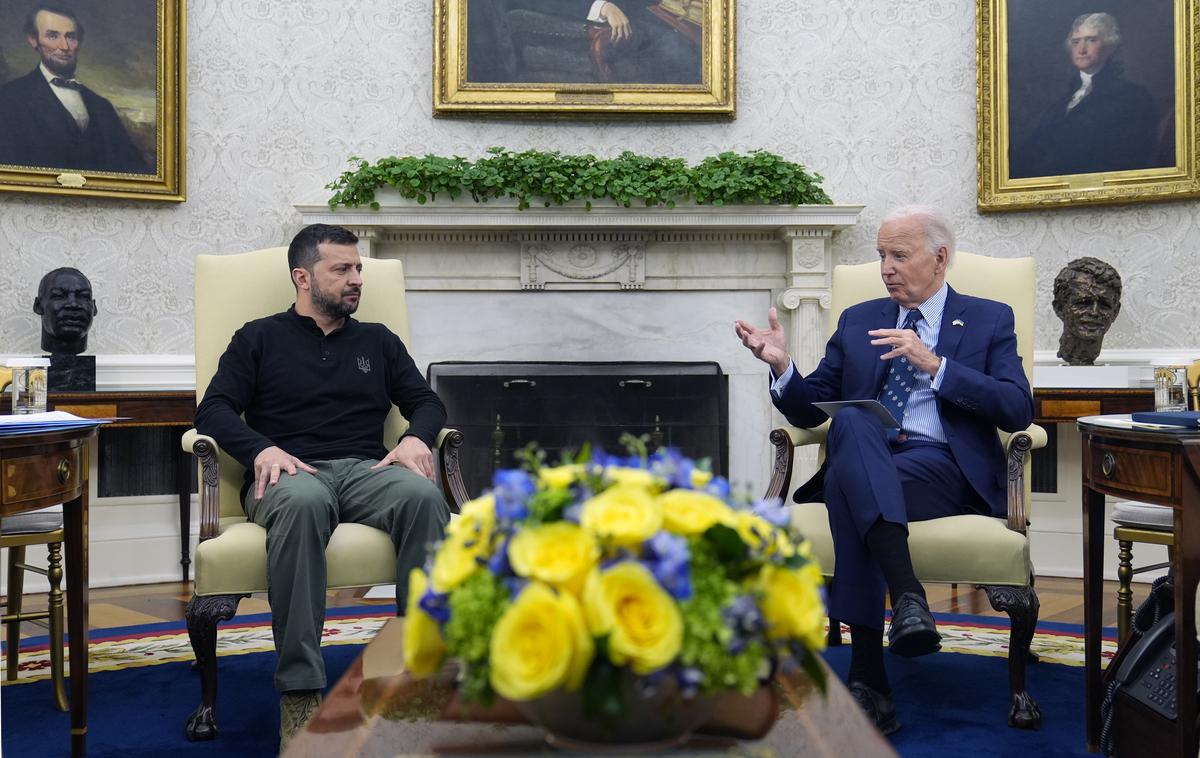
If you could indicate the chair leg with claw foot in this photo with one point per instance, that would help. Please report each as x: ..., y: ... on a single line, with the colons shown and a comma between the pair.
x: 1022, y: 606
x: 203, y: 614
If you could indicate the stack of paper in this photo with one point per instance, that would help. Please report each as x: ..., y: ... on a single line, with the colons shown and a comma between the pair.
x: 54, y: 421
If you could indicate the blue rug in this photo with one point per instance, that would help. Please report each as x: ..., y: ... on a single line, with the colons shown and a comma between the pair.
x: 948, y: 703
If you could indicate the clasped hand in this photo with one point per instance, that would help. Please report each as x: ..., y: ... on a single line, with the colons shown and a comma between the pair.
x: 906, y: 344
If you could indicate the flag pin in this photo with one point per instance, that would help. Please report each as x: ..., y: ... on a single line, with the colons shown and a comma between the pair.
x: 957, y: 322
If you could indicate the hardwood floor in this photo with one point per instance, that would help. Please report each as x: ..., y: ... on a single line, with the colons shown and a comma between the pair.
x: 1061, y: 600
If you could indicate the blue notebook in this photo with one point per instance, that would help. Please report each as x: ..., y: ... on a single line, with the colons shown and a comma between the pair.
x: 1168, y: 418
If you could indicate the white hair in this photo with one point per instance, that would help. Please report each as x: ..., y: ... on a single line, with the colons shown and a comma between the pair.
x: 937, y: 229
x: 1106, y: 24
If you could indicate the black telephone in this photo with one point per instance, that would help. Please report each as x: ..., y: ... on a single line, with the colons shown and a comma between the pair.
x: 1148, y: 672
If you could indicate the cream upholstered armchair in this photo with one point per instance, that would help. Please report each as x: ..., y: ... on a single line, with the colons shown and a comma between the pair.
x: 231, y: 559
x: 970, y: 549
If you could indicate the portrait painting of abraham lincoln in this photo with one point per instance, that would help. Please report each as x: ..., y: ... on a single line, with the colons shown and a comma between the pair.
x: 91, y: 97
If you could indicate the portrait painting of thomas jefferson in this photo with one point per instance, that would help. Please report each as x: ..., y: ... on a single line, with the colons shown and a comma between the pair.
x: 631, y: 42
x: 1091, y: 86
x: 77, y: 85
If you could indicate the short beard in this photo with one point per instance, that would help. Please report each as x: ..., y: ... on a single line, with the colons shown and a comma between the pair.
x: 333, y: 307
x: 64, y: 71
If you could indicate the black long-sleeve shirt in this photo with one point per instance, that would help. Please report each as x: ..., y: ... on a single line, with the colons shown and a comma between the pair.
x: 316, y: 396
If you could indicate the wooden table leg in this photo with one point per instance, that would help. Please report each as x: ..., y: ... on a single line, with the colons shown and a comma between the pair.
x: 75, y: 523
x: 1093, y: 604
x: 1187, y: 572
x: 183, y: 483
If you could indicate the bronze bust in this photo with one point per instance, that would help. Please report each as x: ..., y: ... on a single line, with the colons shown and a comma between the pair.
x: 64, y: 301
x: 1087, y: 297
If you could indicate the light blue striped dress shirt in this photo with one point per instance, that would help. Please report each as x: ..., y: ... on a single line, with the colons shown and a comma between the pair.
x: 921, y: 418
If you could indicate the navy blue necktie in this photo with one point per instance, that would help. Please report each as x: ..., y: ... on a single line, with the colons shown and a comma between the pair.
x: 899, y: 380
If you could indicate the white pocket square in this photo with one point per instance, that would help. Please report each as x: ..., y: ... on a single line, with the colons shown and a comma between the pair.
x: 957, y: 322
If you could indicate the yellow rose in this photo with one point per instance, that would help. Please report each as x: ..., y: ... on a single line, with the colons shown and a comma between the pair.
x: 424, y: 648
x: 627, y: 515
x: 689, y: 512
x: 700, y: 478
x: 476, y: 520
x: 633, y: 477
x: 560, y: 554
x: 643, y: 622
x: 791, y: 604
x: 756, y: 532
x: 468, y: 540
x: 540, y: 644
x: 560, y: 477
x: 454, y: 564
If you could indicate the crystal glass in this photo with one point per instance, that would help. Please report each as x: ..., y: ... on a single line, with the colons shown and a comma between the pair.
x: 1169, y: 388
x: 28, y: 384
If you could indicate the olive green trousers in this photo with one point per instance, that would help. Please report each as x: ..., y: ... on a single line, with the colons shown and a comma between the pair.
x: 300, y: 513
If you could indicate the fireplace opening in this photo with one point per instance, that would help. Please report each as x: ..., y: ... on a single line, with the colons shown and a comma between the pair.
x: 500, y: 407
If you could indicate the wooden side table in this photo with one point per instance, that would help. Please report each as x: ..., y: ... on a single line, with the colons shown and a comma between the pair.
x: 36, y: 471
x: 1161, y: 467
x: 140, y: 409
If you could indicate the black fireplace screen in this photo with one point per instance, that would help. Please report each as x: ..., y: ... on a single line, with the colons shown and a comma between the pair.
x: 503, y: 406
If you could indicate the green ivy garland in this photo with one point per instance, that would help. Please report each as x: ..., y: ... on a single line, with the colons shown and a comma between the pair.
x: 757, y: 177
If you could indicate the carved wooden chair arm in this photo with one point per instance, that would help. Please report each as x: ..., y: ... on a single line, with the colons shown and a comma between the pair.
x: 206, y: 451
x: 786, y: 439
x: 1016, y: 449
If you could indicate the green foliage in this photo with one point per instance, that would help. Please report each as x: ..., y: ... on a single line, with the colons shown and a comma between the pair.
x: 475, y: 607
x: 553, y: 178
x: 546, y: 506
x: 531, y: 458
x: 638, y: 447
x: 706, y: 635
x: 602, y: 685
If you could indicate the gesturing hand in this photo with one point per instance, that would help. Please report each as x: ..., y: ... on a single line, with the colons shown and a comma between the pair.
x: 617, y: 21
x: 906, y: 344
x: 768, y: 345
x: 412, y: 454
x: 270, y: 463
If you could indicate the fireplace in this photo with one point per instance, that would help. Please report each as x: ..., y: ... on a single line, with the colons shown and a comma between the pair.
x: 503, y: 406
x: 488, y: 282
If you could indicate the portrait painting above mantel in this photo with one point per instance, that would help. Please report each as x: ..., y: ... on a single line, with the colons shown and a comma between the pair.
x: 1086, y: 101
x: 92, y: 97
x: 582, y: 57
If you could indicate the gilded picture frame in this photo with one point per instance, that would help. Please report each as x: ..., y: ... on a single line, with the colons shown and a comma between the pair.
x: 92, y: 98
x: 1048, y: 136
x: 560, y: 58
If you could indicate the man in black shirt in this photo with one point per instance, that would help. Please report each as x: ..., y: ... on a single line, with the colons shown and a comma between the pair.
x: 315, y: 386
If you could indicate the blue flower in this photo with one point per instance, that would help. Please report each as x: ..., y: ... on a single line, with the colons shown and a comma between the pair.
x: 773, y: 510
x: 718, y: 486
x: 511, y: 488
x: 743, y: 617
x: 690, y: 679
x: 668, y: 558
x: 498, y: 564
x: 671, y: 465
x: 436, y: 604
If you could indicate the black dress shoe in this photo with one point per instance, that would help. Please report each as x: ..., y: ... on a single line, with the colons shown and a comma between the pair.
x: 913, y: 632
x: 880, y: 708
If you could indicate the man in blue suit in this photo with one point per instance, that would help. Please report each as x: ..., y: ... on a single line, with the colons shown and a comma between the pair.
x: 946, y: 366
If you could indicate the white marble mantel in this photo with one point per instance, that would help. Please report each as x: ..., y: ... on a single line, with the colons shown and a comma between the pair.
x: 489, y: 282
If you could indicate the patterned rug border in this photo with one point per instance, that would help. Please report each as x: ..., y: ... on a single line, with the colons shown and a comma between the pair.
x: 167, y: 642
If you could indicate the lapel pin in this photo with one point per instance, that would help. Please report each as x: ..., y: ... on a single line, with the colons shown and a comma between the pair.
x: 957, y: 322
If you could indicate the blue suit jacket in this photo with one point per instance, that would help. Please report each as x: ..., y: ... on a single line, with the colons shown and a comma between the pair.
x: 983, y: 387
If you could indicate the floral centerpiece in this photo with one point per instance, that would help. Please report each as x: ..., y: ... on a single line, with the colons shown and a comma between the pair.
x: 590, y: 591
